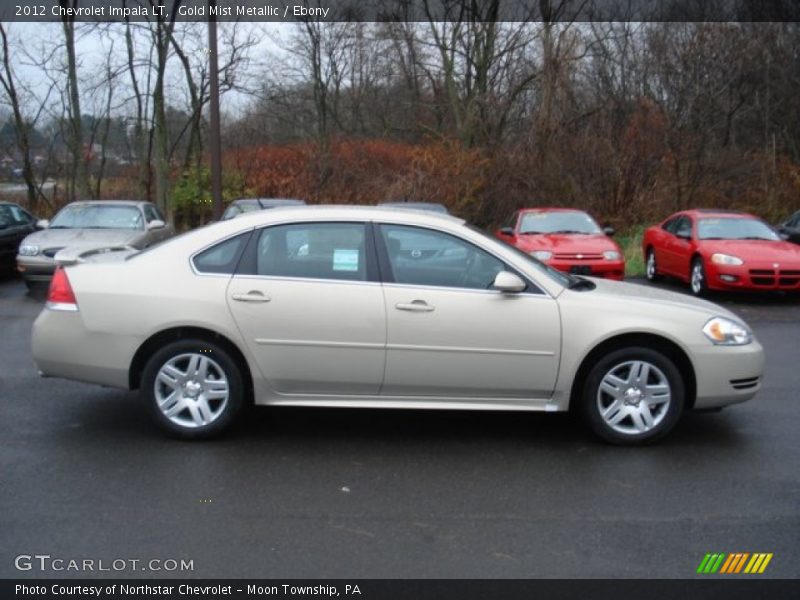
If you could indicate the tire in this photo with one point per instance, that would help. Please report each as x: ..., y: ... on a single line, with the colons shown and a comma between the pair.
x: 613, y: 399
x: 697, y: 278
x: 651, y: 268
x: 185, y: 405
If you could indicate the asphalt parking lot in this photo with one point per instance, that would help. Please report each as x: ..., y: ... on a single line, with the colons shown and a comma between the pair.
x: 360, y: 494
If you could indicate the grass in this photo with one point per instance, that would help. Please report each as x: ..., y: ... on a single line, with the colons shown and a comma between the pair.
x: 631, y: 244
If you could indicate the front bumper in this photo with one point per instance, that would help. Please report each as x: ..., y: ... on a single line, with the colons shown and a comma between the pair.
x: 37, y: 268
x: 727, y: 374
x: 608, y: 269
x: 761, y: 276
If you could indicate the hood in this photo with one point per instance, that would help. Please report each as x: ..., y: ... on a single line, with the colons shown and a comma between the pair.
x: 655, y: 296
x: 84, y: 238
x: 567, y: 243
x: 754, y: 250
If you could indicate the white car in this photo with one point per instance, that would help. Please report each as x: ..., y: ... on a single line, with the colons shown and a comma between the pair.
x: 382, y: 308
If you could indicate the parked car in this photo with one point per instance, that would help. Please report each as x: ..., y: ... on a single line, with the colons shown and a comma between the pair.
x: 721, y: 250
x: 234, y: 313
x: 566, y: 239
x: 790, y: 228
x: 87, y: 225
x: 15, y: 224
x: 245, y: 205
x: 412, y: 205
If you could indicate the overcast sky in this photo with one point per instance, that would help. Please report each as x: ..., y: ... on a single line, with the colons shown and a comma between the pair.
x: 92, y: 49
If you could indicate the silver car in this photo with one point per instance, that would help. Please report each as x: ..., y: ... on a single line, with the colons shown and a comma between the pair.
x: 382, y: 308
x: 88, y: 225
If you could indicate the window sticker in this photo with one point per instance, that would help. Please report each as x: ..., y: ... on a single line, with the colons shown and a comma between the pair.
x: 345, y: 259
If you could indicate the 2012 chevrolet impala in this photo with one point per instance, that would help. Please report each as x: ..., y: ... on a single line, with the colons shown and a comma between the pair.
x: 374, y: 307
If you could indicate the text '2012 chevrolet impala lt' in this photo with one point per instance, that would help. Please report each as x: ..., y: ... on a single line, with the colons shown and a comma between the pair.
x: 371, y: 307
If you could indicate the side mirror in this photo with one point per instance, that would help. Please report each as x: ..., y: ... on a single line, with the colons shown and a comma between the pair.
x: 609, y: 231
x: 684, y: 235
x: 783, y: 234
x: 42, y: 224
x: 507, y: 231
x: 3, y: 225
x: 508, y: 283
x: 156, y: 224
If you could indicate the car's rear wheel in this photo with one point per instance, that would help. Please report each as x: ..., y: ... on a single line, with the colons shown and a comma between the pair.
x: 697, y: 278
x: 194, y: 388
x: 633, y: 396
x: 651, y: 268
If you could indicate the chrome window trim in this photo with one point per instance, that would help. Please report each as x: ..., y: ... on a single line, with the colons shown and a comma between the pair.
x: 399, y: 221
x: 304, y: 279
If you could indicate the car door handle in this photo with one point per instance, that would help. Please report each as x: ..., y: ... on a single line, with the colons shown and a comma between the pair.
x: 251, y: 297
x: 415, y: 306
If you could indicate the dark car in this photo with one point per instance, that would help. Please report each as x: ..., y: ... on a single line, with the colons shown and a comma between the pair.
x: 431, y: 206
x: 245, y: 205
x: 790, y: 228
x: 15, y: 224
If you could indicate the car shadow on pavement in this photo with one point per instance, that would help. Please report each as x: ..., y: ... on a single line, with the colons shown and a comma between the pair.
x: 121, y: 416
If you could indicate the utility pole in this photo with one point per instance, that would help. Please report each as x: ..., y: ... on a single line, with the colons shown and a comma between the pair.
x: 214, y: 134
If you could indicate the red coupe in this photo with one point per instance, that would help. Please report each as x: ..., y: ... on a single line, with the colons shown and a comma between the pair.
x: 721, y: 250
x: 566, y: 239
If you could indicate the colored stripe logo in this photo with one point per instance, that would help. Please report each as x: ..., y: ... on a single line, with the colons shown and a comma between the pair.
x: 734, y: 563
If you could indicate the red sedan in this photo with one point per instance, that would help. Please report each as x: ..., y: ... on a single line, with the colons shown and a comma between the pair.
x: 566, y: 239
x: 719, y: 250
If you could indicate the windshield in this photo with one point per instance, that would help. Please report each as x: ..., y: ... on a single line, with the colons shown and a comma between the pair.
x: 735, y: 229
x: 561, y: 278
x: 557, y: 222
x: 98, y: 216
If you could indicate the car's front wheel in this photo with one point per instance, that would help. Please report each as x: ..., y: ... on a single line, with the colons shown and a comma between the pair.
x: 194, y: 388
x: 697, y: 278
x: 633, y: 396
x: 651, y: 268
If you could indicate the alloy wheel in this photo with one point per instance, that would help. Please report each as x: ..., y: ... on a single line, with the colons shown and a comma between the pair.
x: 191, y: 390
x: 634, y: 397
x: 698, y: 278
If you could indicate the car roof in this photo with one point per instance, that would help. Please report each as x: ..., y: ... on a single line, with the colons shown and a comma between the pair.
x: 268, y: 200
x: 551, y: 209
x: 720, y: 213
x: 347, y: 212
x: 105, y: 202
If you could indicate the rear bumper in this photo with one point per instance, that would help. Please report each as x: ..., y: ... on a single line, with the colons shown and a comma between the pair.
x: 63, y: 347
x: 727, y: 375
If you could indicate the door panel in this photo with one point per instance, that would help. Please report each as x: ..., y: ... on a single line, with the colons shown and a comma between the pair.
x: 312, y: 317
x: 313, y: 337
x: 449, y: 334
x: 470, y: 343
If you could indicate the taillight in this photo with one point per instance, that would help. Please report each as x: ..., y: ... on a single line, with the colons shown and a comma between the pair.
x: 61, y: 296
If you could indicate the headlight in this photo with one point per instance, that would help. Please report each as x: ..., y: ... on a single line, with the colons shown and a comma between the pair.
x: 542, y: 255
x: 724, y: 332
x: 28, y: 250
x: 611, y: 255
x: 726, y: 259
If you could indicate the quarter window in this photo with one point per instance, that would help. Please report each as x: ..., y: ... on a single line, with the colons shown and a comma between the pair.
x: 420, y: 256
x: 221, y: 258
x: 313, y: 251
